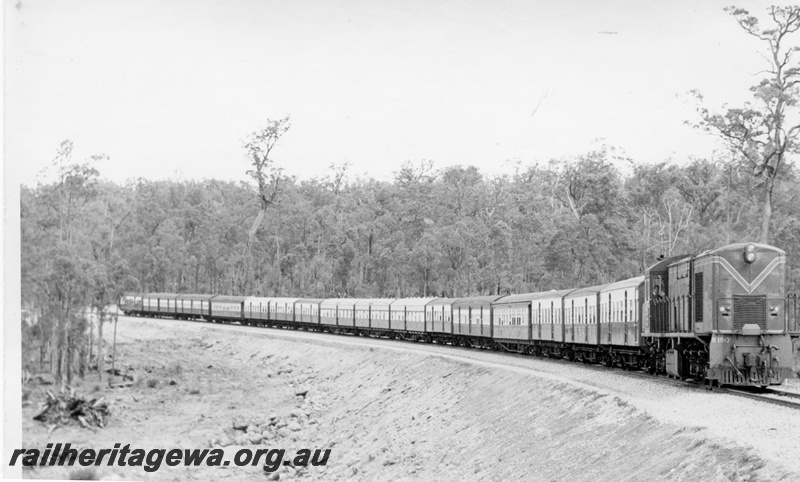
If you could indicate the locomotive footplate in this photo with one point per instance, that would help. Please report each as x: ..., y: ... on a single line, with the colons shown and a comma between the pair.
x: 749, y: 360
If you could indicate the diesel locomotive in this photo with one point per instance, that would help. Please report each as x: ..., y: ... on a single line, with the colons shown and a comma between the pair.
x: 719, y: 316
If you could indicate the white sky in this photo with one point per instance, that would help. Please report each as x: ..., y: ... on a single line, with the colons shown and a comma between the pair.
x: 171, y: 87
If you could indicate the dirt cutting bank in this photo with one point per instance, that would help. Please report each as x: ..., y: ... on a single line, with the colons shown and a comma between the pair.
x: 385, y: 415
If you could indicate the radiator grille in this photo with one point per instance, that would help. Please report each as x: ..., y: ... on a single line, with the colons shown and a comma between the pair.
x: 749, y: 310
x: 698, y: 297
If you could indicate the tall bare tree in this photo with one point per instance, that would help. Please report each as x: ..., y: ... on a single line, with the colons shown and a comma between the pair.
x: 268, y: 177
x: 765, y: 131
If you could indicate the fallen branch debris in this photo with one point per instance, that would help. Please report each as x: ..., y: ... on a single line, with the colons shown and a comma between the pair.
x: 70, y: 407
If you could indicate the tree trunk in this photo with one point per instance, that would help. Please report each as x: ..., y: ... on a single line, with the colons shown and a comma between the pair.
x: 766, y: 215
x: 251, y: 239
x: 100, y: 353
x: 68, y: 367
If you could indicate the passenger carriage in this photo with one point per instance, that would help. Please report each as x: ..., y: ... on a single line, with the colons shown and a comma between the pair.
x: 338, y: 312
x: 227, y: 308
x: 512, y: 317
x: 193, y: 306
x: 439, y: 314
x: 620, y: 313
x: 546, y: 316
x: 548, y: 320
x: 373, y: 313
x: 408, y: 314
x: 329, y: 312
x: 472, y: 318
x: 131, y: 303
x: 306, y: 310
x: 256, y: 310
x: 159, y: 304
x: 581, y: 316
x: 282, y: 309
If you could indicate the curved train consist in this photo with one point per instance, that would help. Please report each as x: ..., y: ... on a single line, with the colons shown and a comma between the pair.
x: 719, y: 316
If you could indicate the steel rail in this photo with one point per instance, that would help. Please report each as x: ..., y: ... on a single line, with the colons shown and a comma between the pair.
x: 744, y: 392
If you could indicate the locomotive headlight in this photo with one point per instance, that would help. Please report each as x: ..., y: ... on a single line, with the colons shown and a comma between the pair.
x: 773, y: 310
x: 724, y: 310
x: 750, y: 253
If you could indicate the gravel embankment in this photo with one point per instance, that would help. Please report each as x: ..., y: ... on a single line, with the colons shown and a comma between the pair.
x: 390, y: 410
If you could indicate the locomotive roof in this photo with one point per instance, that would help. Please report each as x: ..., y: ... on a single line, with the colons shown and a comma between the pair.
x: 661, y: 266
x: 684, y: 259
x: 160, y: 295
x: 476, y: 301
x: 741, y: 246
x: 623, y: 284
x: 443, y: 301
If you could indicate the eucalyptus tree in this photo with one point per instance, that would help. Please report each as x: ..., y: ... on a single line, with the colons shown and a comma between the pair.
x: 268, y: 178
x: 764, y: 132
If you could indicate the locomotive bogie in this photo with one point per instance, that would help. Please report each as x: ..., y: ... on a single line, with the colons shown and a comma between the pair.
x: 749, y: 360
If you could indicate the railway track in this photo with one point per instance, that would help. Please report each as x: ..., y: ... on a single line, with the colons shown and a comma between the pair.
x: 768, y: 395
x: 772, y: 396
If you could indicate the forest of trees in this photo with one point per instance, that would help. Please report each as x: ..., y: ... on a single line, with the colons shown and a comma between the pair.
x: 449, y: 231
x: 430, y: 232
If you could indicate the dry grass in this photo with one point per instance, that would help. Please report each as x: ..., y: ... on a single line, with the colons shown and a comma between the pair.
x: 176, y: 370
x: 88, y: 473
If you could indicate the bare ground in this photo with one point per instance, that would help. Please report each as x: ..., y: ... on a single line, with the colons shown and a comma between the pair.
x: 397, y: 413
